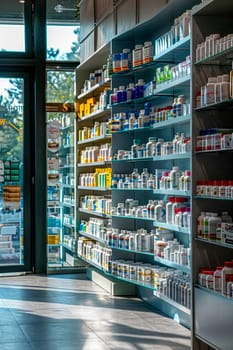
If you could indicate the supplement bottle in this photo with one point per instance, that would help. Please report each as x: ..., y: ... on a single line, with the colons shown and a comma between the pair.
x: 213, y: 222
x: 218, y: 279
x: 227, y: 270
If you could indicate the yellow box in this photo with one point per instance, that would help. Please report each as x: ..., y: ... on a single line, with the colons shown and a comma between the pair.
x: 81, y: 110
x: 91, y: 100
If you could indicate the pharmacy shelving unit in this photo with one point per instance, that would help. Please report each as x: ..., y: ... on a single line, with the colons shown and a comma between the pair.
x: 162, y: 95
x: 212, y: 312
x: 92, y: 64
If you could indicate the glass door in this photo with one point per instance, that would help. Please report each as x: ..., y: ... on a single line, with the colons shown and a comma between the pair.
x: 15, y: 235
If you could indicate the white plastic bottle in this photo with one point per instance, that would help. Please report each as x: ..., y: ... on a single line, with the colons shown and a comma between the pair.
x: 200, y: 225
x: 175, y: 174
x: 213, y: 222
x: 226, y: 271
x: 169, y: 210
x: 218, y: 279
x: 160, y: 212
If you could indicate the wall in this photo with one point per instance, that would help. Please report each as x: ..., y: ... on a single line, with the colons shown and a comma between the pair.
x: 101, y: 20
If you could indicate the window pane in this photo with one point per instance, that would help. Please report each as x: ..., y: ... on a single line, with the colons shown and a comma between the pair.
x: 63, y: 43
x: 12, y: 26
x: 60, y: 86
x: 11, y: 171
x: 63, y: 28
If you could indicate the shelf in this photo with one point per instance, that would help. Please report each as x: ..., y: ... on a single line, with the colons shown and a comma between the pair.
x: 173, y: 192
x: 168, y: 263
x: 89, y: 188
x: 95, y: 139
x: 156, y: 223
x: 65, y: 147
x: 71, y: 166
x: 95, y: 115
x: 132, y: 218
x: 68, y: 186
x: 186, y: 155
x: 216, y: 243
x: 133, y: 160
x: 214, y: 198
x: 140, y: 284
x: 214, y: 151
x: 222, y: 58
x: 68, y: 248
x: 133, y: 251
x: 172, y: 302
x: 134, y: 70
x: 54, y: 244
x: 131, y: 189
x: 172, y: 227
x: 95, y: 213
x: 172, y: 121
x: 68, y: 127
x: 171, y: 86
x: 96, y: 59
x: 220, y: 105
x: 140, y: 100
x: 70, y: 205
x: 54, y: 204
x: 88, y: 235
x: 84, y: 165
x: 133, y: 130
x: 96, y: 88
x: 176, y: 53
x: 212, y: 292
x: 68, y: 225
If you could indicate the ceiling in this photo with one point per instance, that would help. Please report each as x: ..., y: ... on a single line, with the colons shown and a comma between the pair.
x: 62, y: 11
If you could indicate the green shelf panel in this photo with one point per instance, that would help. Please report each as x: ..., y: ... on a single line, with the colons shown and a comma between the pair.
x: 171, y: 227
x: 132, y: 218
x: 95, y: 115
x: 147, y: 159
x: 68, y: 225
x: 94, y: 88
x: 94, y: 139
x: 173, y: 192
x: 173, y: 86
x: 92, y: 212
x: 172, y: 303
x: 186, y: 155
x: 133, y: 251
x: 140, y: 284
x: 133, y: 70
x: 85, y: 165
x: 168, y: 263
x: 132, y: 189
x: 88, y: 235
x: 145, y: 129
x: 89, y: 188
x: 176, y: 53
x: 172, y: 122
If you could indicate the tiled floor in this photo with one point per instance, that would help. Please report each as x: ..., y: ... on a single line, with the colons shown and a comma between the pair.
x: 69, y: 312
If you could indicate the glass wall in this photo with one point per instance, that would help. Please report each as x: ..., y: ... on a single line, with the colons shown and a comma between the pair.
x: 62, y: 59
x: 11, y: 171
x: 12, y: 26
